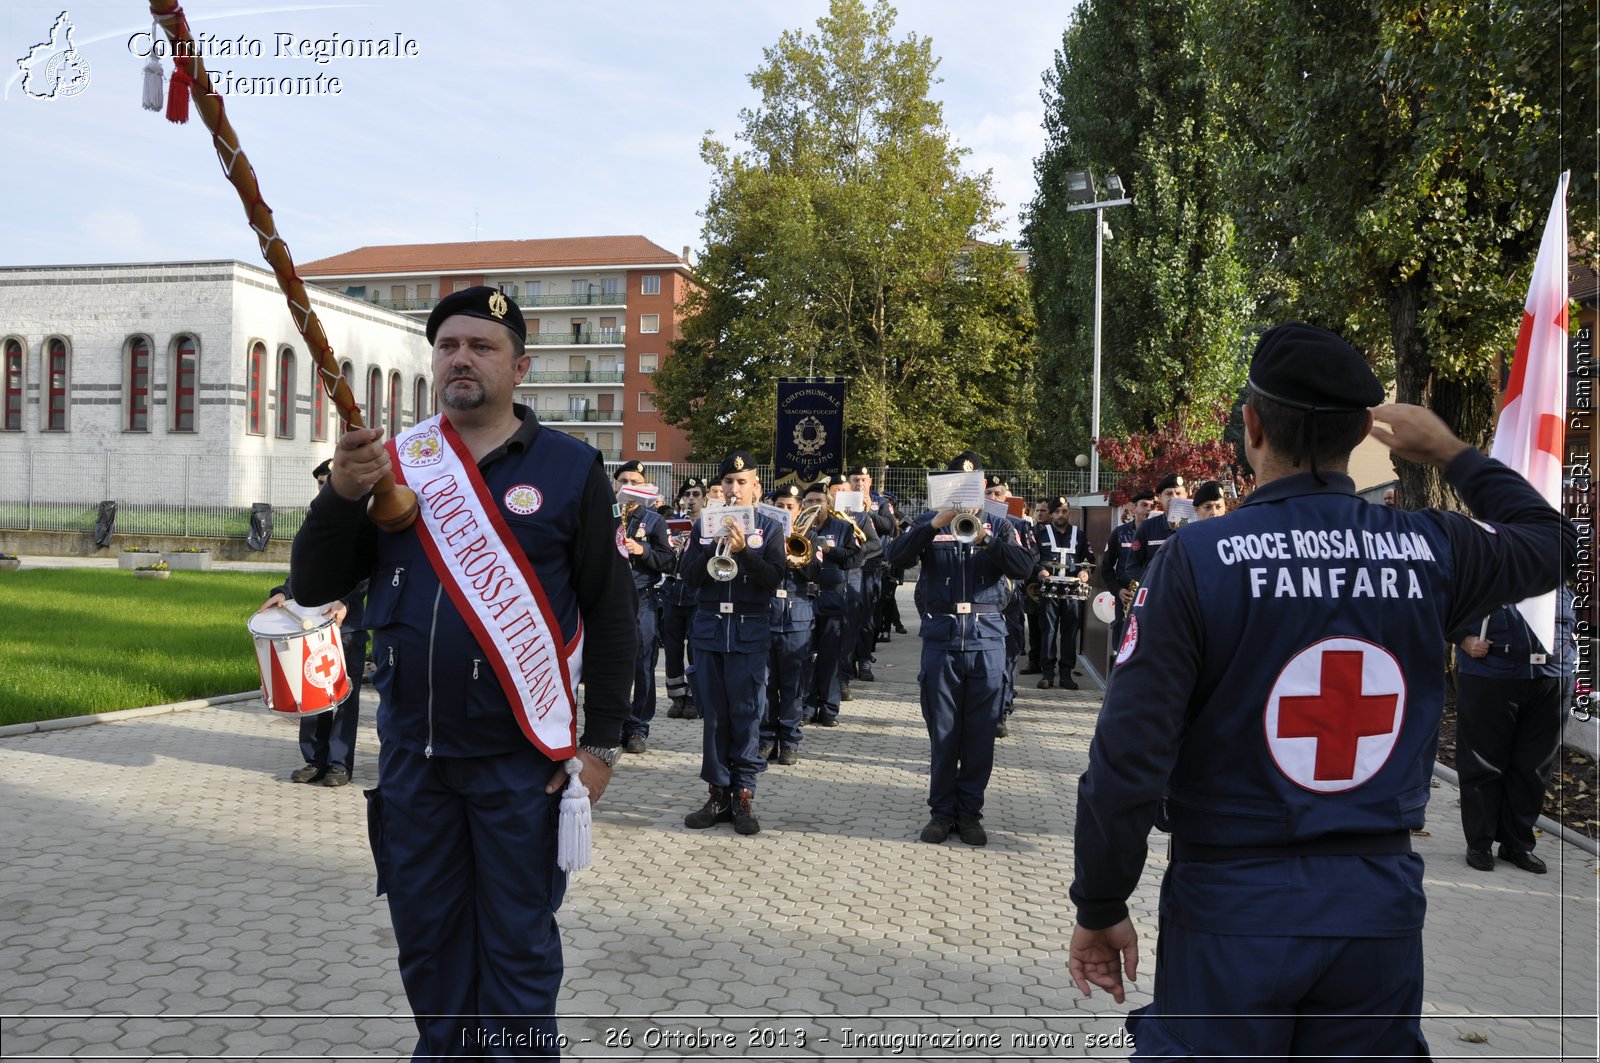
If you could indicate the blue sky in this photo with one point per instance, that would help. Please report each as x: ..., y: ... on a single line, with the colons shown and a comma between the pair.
x: 513, y: 121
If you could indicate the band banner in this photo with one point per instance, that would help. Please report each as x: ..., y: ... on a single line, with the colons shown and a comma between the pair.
x: 810, y: 428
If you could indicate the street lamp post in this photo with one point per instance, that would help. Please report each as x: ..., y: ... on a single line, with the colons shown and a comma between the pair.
x: 1081, y: 195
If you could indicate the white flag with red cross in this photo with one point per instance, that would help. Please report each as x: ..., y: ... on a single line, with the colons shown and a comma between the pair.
x: 1530, y: 436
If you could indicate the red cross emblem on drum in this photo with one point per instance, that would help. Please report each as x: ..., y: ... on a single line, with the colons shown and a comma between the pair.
x: 322, y: 668
x: 1334, y: 714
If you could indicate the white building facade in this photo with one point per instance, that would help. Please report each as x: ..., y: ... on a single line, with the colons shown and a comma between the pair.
x: 182, y: 382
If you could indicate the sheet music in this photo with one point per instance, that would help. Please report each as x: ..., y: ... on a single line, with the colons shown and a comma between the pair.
x: 848, y: 502
x: 713, y: 521
x: 995, y: 510
x: 1179, y: 510
x: 955, y: 490
x: 779, y: 514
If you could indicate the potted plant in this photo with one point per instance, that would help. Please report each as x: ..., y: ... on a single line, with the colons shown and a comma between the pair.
x: 155, y: 570
x: 191, y: 558
x: 10, y: 562
x: 135, y: 556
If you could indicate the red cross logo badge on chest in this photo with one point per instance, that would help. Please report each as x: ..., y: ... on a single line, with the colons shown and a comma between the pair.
x: 1334, y: 714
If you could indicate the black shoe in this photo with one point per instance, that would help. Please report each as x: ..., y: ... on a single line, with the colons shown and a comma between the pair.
x: 309, y: 773
x: 634, y: 744
x: 827, y: 721
x: 865, y: 675
x: 1521, y: 858
x: 1032, y: 669
x: 1045, y: 684
x: 1481, y: 859
x: 691, y: 711
x: 899, y: 629
x: 788, y: 755
x: 676, y: 711
x: 744, y: 814
x: 1000, y: 729
x: 972, y: 832
x: 1068, y: 683
x: 336, y: 777
x: 936, y: 831
x: 765, y: 751
x: 717, y: 809
x: 807, y: 718
x: 844, y: 693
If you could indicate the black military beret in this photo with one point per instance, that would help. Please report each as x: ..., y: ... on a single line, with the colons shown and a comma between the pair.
x: 1310, y: 368
x: 1143, y: 495
x: 966, y: 461
x: 325, y: 469
x: 786, y: 491
x: 1169, y: 482
x: 690, y: 484
x: 490, y: 304
x: 994, y: 479
x: 1057, y: 502
x: 857, y: 470
x: 629, y: 466
x: 820, y: 487
x: 1210, y: 491
x: 736, y: 461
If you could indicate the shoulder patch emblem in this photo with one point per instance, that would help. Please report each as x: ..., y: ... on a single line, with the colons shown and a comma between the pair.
x: 1130, y: 640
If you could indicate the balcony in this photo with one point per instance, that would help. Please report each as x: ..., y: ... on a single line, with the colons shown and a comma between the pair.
x: 405, y: 304
x: 582, y: 416
x: 611, y: 455
x: 580, y: 376
x: 591, y: 299
x: 576, y: 339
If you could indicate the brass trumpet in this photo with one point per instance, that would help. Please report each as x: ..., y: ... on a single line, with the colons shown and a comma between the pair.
x: 966, y: 528
x: 721, y: 565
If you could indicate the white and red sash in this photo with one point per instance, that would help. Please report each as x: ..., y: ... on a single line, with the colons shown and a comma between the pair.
x: 493, y: 585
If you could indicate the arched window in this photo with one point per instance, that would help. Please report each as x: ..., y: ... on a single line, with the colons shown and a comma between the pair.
x: 319, y: 406
x: 185, y: 380
x: 374, y: 397
x: 13, y: 385
x: 286, y: 393
x: 138, y: 385
x: 57, y: 383
x: 395, y: 405
x: 256, y: 413
x: 419, y: 402
x: 347, y: 371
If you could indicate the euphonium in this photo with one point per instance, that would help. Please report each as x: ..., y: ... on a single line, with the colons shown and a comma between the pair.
x: 966, y: 528
x: 797, y: 544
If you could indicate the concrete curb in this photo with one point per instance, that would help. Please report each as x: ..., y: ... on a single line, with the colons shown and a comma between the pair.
x: 1544, y: 823
x: 66, y: 722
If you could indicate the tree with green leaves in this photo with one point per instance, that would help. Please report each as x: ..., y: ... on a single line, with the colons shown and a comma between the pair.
x: 843, y: 238
x: 1390, y: 167
x: 1127, y: 95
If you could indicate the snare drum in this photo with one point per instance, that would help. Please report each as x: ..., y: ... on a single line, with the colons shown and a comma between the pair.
x: 301, y: 658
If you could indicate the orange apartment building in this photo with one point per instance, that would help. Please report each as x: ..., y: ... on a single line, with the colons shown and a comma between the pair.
x: 602, y: 313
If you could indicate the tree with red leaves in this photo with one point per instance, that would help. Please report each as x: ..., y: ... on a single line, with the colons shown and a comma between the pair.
x: 1145, y: 458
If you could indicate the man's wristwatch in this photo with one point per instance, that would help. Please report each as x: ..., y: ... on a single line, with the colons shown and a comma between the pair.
x: 606, y: 755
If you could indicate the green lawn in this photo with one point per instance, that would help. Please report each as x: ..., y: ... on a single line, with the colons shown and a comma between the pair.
x: 74, y: 641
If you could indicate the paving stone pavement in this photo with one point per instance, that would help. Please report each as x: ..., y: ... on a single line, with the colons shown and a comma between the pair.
x: 164, y: 890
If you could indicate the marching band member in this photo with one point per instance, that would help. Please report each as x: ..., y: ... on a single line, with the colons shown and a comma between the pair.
x: 1059, y: 643
x: 961, y: 595
x: 732, y: 637
x: 866, y: 535
x: 1156, y: 530
x: 792, y: 616
x: 841, y: 554
x: 875, y: 512
x: 1030, y: 605
x: 998, y: 489
x: 677, y: 606
x: 1117, y: 563
x: 1208, y: 501
x: 650, y: 555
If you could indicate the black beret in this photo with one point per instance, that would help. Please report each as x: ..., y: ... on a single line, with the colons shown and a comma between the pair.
x: 994, y: 479
x: 491, y: 304
x: 629, y: 466
x: 1210, y: 491
x: 325, y: 469
x: 966, y: 461
x: 857, y: 470
x: 820, y: 487
x: 1142, y: 495
x: 1057, y: 502
x: 786, y: 491
x: 736, y: 461
x: 1309, y: 368
x: 1169, y: 482
x: 690, y: 484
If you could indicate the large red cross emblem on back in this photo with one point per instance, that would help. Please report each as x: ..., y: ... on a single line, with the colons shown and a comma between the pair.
x: 1328, y: 699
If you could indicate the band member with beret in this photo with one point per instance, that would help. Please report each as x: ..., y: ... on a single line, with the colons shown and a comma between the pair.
x: 477, y: 610
x: 789, y: 663
x: 961, y: 594
x: 1208, y: 501
x: 1063, y: 544
x: 1155, y: 531
x: 677, y: 606
x: 732, y: 635
x: 876, y: 519
x: 1290, y: 774
x: 840, y: 552
x: 650, y: 556
x: 1117, y: 562
x: 997, y: 489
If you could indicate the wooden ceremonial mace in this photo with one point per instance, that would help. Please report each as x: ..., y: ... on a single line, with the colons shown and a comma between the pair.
x: 391, y: 507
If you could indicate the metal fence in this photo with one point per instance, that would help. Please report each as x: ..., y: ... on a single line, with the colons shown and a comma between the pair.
x: 210, y: 496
